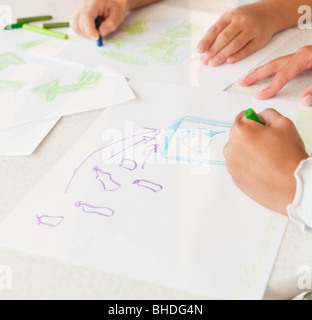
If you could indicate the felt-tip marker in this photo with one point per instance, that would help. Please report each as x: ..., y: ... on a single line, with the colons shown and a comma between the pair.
x: 97, y: 25
x: 252, y: 115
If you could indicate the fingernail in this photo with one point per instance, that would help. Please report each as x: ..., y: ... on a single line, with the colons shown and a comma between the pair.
x: 307, y: 100
x: 214, y: 62
x: 204, y: 60
x: 265, y: 94
x: 241, y: 82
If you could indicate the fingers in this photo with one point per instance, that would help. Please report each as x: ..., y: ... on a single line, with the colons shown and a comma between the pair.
x: 220, y: 43
x: 212, y: 34
x: 271, y: 117
x: 264, y: 72
x: 307, y: 97
x: 233, y: 47
x: 87, y: 24
x: 84, y: 22
x: 246, y: 51
x: 244, y: 128
x: 112, y: 12
x: 111, y: 23
x: 285, y: 75
x: 285, y: 69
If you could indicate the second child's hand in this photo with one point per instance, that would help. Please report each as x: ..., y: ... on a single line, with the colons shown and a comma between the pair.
x: 285, y: 69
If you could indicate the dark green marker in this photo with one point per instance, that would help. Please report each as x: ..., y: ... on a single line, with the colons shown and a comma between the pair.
x: 14, y: 26
x: 34, y: 19
x: 252, y: 115
x: 56, y: 25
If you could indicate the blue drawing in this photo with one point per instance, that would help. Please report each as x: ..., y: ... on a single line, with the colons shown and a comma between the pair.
x: 195, y: 140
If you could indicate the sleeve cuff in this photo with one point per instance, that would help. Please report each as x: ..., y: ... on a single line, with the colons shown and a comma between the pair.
x: 300, y: 211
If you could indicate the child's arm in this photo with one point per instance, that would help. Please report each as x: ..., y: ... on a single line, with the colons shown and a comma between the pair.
x: 262, y: 159
x: 285, y: 69
x: 113, y: 13
x: 247, y: 29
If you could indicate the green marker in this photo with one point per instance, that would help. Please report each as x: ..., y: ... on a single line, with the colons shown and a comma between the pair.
x: 34, y: 19
x: 46, y: 32
x: 56, y: 25
x: 14, y: 26
x: 252, y: 115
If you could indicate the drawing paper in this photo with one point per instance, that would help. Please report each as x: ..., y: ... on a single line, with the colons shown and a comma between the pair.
x: 33, y: 89
x: 158, y: 43
x: 24, y: 140
x: 147, y: 195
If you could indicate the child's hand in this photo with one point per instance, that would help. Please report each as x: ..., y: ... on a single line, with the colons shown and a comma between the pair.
x: 113, y: 13
x: 237, y: 34
x: 285, y: 69
x: 262, y: 159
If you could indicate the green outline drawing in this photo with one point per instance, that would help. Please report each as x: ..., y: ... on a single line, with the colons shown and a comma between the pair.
x: 136, y: 28
x: 11, y: 86
x: 49, y: 91
x: 162, y: 50
x: 30, y: 44
x: 124, y: 58
x: 118, y: 42
x: 183, y: 31
x: 8, y: 59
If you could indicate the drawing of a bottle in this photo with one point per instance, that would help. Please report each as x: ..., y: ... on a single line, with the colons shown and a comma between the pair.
x: 106, y: 180
x: 88, y: 208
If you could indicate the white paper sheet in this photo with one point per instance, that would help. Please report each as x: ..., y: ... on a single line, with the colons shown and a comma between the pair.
x: 24, y: 140
x: 158, y: 43
x: 33, y: 89
x: 145, y: 194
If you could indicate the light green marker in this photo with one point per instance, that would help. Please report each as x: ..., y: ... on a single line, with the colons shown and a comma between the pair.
x: 252, y: 115
x: 46, y: 32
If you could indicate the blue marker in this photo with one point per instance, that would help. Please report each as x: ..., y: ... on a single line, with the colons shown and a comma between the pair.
x: 97, y: 24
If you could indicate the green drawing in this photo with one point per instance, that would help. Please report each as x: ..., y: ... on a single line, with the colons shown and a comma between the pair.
x: 8, y: 59
x: 183, y: 31
x: 136, y: 29
x: 11, y: 86
x: 124, y: 58
x: 162, y: 50
x: 119, y: 42
x: 304, y: 126
x: 30, y: 44
x: 49, y: 91
x: 90, y: 78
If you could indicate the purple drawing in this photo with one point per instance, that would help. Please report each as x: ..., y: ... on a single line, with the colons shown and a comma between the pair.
x: 106, y: 180
x: 87, y: 208
x: 145, y: 137
x: 49, y: 221
x: 128, y: 164
x: 148, y: 185
x: 145, y: 140
x: 154, y: 149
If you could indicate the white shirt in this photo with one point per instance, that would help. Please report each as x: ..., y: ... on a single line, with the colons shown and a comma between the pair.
x: 300, y: 211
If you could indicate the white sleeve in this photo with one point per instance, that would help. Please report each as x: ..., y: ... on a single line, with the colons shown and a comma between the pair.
x: 300, y: 211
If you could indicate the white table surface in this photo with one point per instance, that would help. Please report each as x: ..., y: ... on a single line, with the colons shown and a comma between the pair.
x: 36, y: 277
